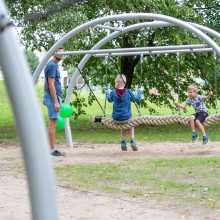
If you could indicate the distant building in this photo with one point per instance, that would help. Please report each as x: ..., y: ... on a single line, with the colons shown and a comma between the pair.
x: 1, y: 75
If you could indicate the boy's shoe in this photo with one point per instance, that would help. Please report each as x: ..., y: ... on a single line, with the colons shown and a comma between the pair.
x: 123, y: 146
x: 56, y: 153
x: 205, y: 140
x: 194, y: 138
x: 133, y: 146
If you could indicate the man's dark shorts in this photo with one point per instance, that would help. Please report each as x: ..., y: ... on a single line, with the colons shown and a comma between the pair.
x: 201, y: 116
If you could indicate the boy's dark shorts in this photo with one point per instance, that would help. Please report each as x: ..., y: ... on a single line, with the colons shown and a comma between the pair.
x: 201, y: 116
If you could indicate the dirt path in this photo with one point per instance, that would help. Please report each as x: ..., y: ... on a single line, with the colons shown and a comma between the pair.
x: 82, y: 205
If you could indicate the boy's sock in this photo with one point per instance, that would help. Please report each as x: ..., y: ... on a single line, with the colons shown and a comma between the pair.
x: 133, y: 145
x: 205, y: 136
x: 194, y: 136
x: 132, y: 140
x: 123, y: 145
x: 205, y: 139
x: 194, y: 133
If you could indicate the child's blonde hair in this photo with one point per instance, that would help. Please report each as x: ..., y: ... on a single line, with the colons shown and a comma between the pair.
x: 120, y: 81
x: 193, y: 87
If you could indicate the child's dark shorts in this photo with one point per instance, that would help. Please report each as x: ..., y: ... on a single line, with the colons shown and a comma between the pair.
x: 201, y: 116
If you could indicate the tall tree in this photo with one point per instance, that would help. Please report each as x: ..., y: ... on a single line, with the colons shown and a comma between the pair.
x: 32, y: 59
x: 43, y: 22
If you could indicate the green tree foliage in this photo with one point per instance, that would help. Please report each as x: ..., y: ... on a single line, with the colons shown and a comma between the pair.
x: 209, y: 10
x: 32, y: 60
x: 43, y: 22
x: 78, y: 103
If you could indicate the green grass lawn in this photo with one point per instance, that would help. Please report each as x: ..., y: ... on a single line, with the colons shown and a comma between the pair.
x: 84, y: 124
x: 186, y: 180
x: 192, y: 180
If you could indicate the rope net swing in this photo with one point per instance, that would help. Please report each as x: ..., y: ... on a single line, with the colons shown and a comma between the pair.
x: 155, y: 120
x: 160, y: 120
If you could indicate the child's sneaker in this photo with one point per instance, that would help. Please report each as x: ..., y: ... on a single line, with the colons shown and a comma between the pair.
x: 194, y: 138
x: 123, y: 146
x: 133, y: 145
x: 205, y: 140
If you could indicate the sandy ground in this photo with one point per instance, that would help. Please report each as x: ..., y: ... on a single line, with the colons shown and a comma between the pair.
x: 87, y: 204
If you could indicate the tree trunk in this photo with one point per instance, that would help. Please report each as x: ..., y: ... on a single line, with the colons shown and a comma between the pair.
x: 127, y: 68
x: 128, y: 63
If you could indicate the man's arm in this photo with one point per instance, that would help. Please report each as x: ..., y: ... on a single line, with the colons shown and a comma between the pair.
x: 53, y: 93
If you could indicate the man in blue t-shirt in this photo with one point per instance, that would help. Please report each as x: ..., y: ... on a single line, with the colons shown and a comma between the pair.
x: 53, y: 97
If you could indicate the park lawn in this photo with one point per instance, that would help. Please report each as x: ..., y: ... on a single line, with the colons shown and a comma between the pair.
x: 193, y: 180
x: 84, y: 125
x: 84, y: 130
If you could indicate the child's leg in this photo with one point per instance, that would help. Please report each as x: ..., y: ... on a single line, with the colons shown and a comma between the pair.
x: 192, y: 123
x: 200, y: 126
x: 193, y: 128
x: 123, y: 140
x: 205, y: 139
x: 123, y: 135
x: 199, y: 123
x: 132, y: 133
x: 132, y: 141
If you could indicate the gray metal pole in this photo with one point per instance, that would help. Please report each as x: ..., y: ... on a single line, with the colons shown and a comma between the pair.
x: 30, y: 125
x: 132, y: 49
x: 156, y: 52
x: 109, y: 27
x: 68, y: 133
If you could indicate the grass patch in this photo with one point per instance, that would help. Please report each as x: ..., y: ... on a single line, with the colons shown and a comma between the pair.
x: 8, y: 159
x: 97, y: 133
x: 183, y: 180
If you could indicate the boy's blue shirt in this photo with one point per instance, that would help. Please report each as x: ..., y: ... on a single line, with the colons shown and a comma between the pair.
x: 198, y: 103
x: 121, y: 105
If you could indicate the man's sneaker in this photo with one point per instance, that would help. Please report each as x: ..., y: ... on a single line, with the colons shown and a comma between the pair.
x: 205, y: 140
x: 56, y: 153
x: 194, y: 138
x: 123, y: 146
x: 133, y: 146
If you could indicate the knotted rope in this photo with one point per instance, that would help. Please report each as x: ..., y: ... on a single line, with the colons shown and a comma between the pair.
x: 155, y: 120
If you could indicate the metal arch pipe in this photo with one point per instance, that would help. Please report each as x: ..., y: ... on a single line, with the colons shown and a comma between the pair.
x: 82, y: 63
x: 109, y: 27
x: 132, y: 49
x: 166, y: 21
x: 123, y: 17
x: 166, y: 24
x: 30, y: 124
x: 156, y: 52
